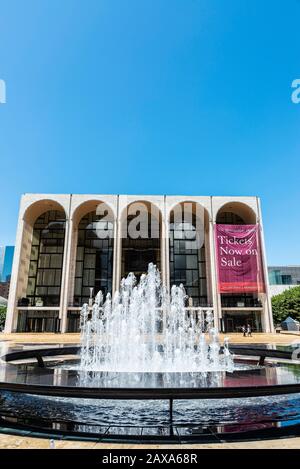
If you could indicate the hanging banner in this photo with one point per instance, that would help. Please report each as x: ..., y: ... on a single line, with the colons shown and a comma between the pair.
x: 239, y: 259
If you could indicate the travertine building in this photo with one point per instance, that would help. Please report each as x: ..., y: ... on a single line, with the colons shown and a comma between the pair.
x: 68, y: 246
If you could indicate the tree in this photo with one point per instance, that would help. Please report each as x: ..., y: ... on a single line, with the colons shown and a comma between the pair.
x: 2, y: 317
x: 286, y: 304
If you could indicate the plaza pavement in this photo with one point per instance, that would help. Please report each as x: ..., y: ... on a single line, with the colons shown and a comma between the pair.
x: 18, y: 442
x: 73, y: 338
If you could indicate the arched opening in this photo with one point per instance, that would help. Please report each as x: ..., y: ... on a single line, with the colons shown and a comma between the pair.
x: 239, y: 309
x: 189, y: 252
x: 141, y: 238
x: 46, y: 259
x: 94, y: 254
x: 236, y: 213
x: 40, y: 273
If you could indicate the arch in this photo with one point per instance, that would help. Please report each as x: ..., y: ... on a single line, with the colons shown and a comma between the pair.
x: 188, y: 201
x: 236, y: 213
x: 141, y: 237
x: 93, y: 240
x: 90, y: 206
x: 46, y: 258
x: 39, y: 275
x: 148, y: 203
x: 189, y: 251
x: 36, y: 209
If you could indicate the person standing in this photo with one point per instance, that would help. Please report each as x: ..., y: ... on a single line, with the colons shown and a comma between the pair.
x: 249, y: 331
x: 244, y: 331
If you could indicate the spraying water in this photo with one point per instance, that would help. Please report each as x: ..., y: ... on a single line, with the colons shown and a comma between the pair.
x: 144, y: 329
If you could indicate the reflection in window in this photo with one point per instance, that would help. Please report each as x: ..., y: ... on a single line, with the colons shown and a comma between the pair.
x: 46, y: 259
x: 94, y: 260
x: 187, y: 262
x: 138, y: 253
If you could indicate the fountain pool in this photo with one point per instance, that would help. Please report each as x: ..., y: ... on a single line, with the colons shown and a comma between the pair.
x: 146, y: 369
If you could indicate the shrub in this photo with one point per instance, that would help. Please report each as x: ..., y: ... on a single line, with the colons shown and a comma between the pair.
x: 2, y: 317
x: 286, y: 304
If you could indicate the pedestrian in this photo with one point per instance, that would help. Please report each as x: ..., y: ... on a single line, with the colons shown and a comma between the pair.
x: 249, y: 332
x: 244, y: 331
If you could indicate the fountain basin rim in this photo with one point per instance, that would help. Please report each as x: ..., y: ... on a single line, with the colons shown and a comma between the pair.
x: 151, y: 393
x: 139, y: 393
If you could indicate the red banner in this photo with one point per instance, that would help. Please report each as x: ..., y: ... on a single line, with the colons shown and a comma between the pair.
x: 239, y: 259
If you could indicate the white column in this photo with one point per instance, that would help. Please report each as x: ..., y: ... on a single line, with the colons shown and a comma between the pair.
x: 11, y: 316
x: 167, y: 245
x: 267, y: 304
x: 118, y: 256
x: 214, y: 278
x: 66, y: 276
x: 115, y: 257
x: 163, y: 252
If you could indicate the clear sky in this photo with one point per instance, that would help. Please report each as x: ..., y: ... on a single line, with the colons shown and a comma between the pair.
x: 153, y: 97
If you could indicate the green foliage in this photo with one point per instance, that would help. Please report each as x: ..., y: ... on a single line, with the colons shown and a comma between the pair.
x: 2, y: 317
x: 286, y: 304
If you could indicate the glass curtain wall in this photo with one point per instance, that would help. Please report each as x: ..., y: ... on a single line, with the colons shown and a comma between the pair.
x: 94, y: 259
x: 138, y: 253
x: 187, y: 262
x: 46, y: 259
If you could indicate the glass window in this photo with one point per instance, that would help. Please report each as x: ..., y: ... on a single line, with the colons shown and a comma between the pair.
x: 187, y: 262
x: 78, y: 285
x: 192, y: 262
x: 79, y: 267
x: 36, y: 238
x: 180, y: 262
x: 90, y: 261
x: 229, y: 218
x: 48, y: 277
x: 95, y: 246
x: 80, y: 251
x: 44, y: 261
x: 34, y: 253
x: 46, y: 258
x: 31, y: 287
x: 138, y: 253
x: 32, y: 269
x: 56, y: 261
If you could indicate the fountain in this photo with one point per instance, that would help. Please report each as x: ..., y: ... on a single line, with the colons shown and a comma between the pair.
x: 144, y: 329
x: 138, y: 351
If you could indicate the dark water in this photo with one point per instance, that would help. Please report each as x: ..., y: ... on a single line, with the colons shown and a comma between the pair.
x: 116, y: 416
x: 60, y: 375
x: 152, y: 412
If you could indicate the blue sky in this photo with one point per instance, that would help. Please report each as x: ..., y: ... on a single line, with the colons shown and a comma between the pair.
x: 153, y: 97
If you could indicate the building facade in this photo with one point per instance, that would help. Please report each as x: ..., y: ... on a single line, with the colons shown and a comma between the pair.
x: 6, y: 261
x: 284, y: 275
x: 283, y: 278
x: 4, y: 289
x: 68, y: 247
